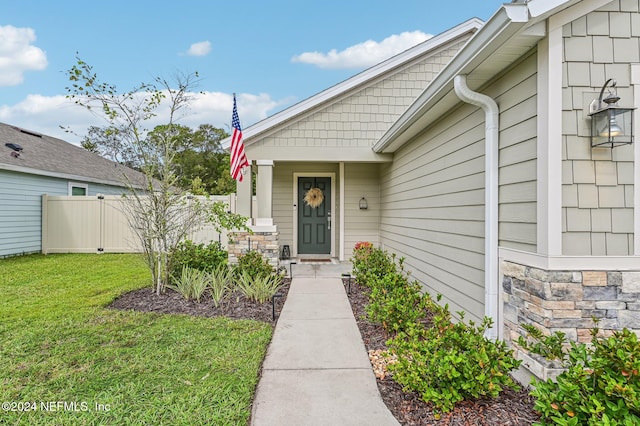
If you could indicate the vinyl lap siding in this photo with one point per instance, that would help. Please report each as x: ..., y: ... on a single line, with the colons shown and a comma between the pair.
x: 20, y: 210
x: 361, y: 180
x: 516, y: 95
x: 433, y: 192
x: 432, y: 209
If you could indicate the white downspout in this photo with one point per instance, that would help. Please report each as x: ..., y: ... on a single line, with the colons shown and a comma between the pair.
x: 492, y: 286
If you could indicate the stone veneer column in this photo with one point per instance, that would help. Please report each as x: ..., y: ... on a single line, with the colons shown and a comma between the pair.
x: 265, y: 234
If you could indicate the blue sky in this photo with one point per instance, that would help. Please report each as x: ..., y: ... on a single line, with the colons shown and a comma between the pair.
x: 273, y: 54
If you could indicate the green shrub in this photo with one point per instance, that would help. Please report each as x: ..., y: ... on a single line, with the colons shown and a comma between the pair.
x: 600, y: 384
x: 444, y: 362
x: 449, y: 362
x: 220, y: 284
x: 396, y: 303
x: 191, y: 284
x: 197, y: 256
x: 259, y: 288
x: 254, y: 264
x: 550, y: 347
x: 371, y: 263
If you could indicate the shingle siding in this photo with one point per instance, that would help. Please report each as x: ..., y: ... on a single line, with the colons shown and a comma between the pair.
x: 597, y: 182
x: 360, y: 117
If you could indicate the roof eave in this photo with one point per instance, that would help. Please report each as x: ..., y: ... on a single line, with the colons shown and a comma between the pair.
x: 59, y: 175
x: 513, y: 21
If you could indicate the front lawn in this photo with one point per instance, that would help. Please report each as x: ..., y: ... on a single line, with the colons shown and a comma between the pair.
x: 66, y: 359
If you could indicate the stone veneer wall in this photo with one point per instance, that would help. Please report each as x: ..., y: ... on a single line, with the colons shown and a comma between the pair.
x: 264, y: 242
x: 567, y: 301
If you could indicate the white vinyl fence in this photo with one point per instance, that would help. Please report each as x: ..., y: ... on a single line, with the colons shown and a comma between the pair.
x: 91, y: 224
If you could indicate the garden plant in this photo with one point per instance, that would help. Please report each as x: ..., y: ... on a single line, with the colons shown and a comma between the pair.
x: 199, y: 268
x: 443, y: 360
x: 600, y: 384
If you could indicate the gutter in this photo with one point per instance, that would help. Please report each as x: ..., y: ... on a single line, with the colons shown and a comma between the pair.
x: 492, y: 139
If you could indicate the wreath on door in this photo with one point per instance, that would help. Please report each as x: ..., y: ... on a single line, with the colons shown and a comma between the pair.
x: 314, y: 197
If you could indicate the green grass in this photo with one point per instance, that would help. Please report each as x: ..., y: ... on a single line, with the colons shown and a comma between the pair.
x: 58, y: 342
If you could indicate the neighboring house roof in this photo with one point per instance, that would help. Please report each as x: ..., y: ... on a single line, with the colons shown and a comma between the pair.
x: 511, y: 32
x: 360, y: 79
x: 48, y: 156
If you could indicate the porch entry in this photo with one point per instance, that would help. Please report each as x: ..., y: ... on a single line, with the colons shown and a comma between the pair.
x: 314, y: 215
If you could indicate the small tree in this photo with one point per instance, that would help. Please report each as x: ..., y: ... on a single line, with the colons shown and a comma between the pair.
x: 159, y: 211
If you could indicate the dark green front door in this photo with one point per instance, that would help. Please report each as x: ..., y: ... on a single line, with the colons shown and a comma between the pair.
x: 314, y: 223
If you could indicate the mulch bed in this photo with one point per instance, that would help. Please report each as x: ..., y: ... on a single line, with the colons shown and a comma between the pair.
x: 172, y: 302
x: 511, y: 408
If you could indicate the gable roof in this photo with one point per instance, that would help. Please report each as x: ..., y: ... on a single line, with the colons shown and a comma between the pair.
x: 48, y: 156
x: 471, y: 25
x: 511, y: 32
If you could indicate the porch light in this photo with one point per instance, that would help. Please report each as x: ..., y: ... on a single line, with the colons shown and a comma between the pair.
x: 363, y: 204
x: 611, y: 125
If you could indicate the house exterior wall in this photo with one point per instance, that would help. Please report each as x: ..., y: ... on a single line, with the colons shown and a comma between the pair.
x: 516, y: 95
x: 597, y: 183
x: 361, y: 180
x: 358, y: 118
x: 20, y: 208
x: 433, y: 192
x: 432, y: 209
x: 596, y: 274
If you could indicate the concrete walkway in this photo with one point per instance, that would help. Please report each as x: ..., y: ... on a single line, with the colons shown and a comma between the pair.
x: 317, y: 371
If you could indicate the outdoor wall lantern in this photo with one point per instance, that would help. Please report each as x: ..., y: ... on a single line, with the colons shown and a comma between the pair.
x: 611, y: 125
x: 363, y: 204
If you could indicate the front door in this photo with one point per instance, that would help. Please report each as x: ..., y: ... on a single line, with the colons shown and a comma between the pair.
x: 314, y: 215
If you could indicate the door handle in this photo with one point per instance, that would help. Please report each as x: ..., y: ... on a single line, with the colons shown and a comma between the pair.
x: 329, y: 220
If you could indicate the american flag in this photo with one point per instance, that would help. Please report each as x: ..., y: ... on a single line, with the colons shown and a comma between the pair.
x: 238, y: 157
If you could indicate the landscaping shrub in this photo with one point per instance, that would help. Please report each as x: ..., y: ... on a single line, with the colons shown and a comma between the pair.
x: 449, y: 362
x: 254, y: 264
x: 370, y: 263
x: 600, y: 384
x: 397, y: 303
x: 197, y: 256
x: 444, y: 362
x: 191, y: 284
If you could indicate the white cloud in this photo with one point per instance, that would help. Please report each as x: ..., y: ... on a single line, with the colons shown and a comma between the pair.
x: 45, y: 114
x: 365, y: 54
x: 202, y: 48
x: 18, y: 55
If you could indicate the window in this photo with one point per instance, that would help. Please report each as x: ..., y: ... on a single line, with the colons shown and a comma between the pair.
x: 78, y: 189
